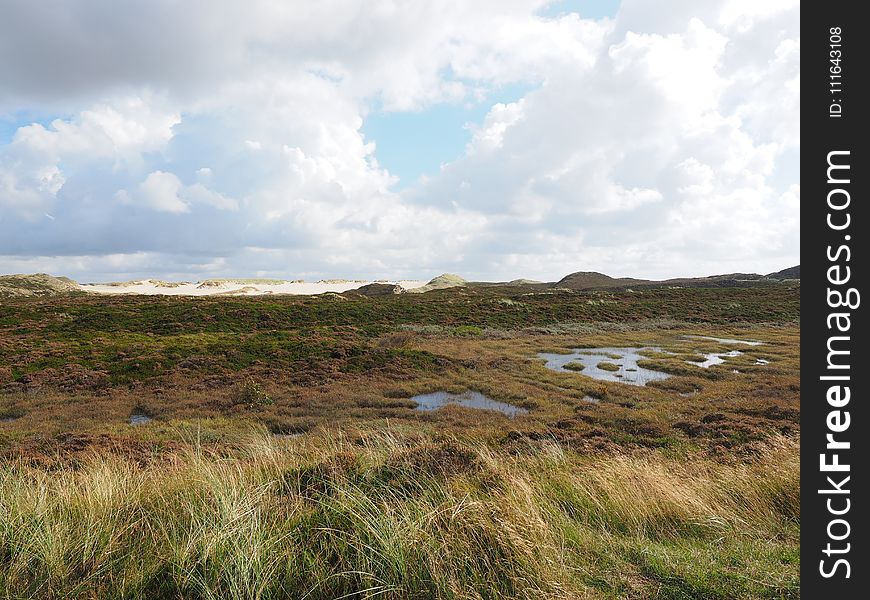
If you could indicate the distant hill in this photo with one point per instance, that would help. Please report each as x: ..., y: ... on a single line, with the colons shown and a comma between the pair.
x: 790, y: 273
x: 36, y: 285
x: 222, y: 283
x: 42, y: 285
x: 590, y: 280
x: 447, y: 280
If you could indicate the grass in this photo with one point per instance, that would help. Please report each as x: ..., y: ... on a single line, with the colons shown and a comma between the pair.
x: 350, y: 382
x: 390, y: 515
x: 684, y: 488
x: 608, y: 366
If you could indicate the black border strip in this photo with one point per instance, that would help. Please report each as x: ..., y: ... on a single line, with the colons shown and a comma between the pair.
x: 822, y: 250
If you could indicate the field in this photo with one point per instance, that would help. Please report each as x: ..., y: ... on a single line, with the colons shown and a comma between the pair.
x: 285, y: 458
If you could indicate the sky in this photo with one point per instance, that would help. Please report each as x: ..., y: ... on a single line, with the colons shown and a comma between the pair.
x: 398, y: 139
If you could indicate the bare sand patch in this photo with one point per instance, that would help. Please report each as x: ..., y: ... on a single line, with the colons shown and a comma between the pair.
x: 228, y: 287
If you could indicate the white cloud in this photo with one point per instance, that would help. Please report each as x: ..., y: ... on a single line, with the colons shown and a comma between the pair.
x: 662, y: 142
x: 490, y: 135
x: 160, y: 191
x: 122, y: 130
x: 164, y: 192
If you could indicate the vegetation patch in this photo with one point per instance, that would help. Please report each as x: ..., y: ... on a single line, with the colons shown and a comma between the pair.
x: 252, y: 394
x: 9, y: 412
x: 609, y: 366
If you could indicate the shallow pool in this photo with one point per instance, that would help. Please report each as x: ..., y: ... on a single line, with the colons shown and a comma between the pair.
x: 714, y: 358
x: 469, y: 399
x: 625, y: 360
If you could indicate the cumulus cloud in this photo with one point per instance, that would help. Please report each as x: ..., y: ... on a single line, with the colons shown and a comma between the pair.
x: 204, y: 138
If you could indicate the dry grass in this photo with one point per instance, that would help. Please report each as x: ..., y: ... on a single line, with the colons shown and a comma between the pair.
x: 384, y: 515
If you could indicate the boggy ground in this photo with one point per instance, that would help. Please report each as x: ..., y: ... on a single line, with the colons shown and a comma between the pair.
x: 685, y: 488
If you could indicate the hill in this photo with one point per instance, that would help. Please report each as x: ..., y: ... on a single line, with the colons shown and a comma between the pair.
x: 36, y: 285
x: 790, y: 273
x: 444, y: 281
x: 42, y: 285
x: 590, y: 280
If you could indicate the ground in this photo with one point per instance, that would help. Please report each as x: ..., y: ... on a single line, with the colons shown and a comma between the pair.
x: 684, y: 488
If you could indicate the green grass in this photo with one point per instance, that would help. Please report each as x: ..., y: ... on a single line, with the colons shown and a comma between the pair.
x: 135, y: 338
x: 482, y: 307
x: 387, y: 516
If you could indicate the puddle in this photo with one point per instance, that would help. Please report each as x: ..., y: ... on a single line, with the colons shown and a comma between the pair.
x: 761, y: 361
x: 469, y: 399
x: 140, y: 419
x: 8, y: 419
x: 714, y: 358
x: 626, y: 371
x: 724, y: 340
x: 591, y: 400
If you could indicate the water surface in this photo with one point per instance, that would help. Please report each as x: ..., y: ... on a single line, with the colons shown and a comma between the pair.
x: 714, y: 358
x: 469, y: 399
x: 625, y: 358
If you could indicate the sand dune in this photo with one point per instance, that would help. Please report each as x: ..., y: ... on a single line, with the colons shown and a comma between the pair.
x: 227, y: 287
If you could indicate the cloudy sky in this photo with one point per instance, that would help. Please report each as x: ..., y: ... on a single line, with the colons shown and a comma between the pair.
x: 186, y: 139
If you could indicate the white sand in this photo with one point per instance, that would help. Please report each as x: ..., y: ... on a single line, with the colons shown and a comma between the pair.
x: 229, y: 287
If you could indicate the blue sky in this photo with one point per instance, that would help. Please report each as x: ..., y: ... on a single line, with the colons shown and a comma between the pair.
x: 637, y: 139
x: 588, y: 9
x: 11, y: 122
x: 414, y: 144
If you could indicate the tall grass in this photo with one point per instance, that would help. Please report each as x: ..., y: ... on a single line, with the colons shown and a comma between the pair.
x: 387, y: 517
